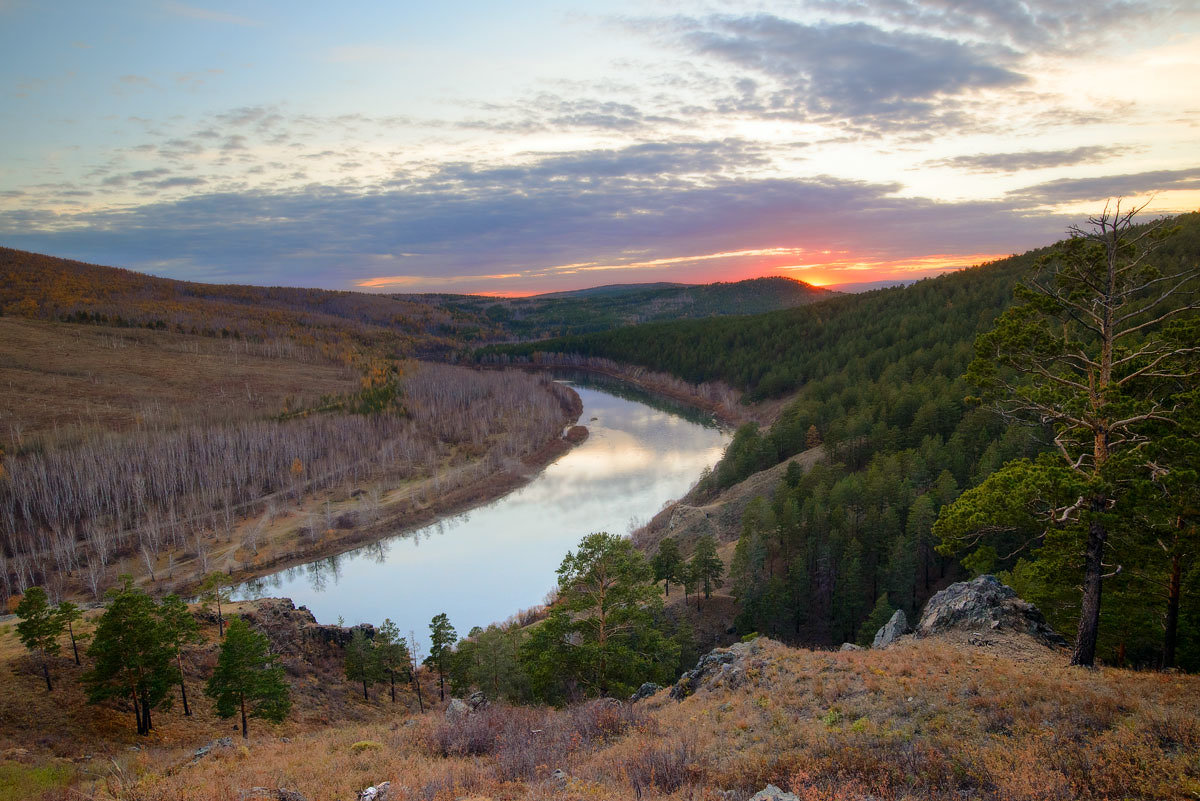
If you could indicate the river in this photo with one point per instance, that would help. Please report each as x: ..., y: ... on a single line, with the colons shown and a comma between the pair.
x: 483, y: 565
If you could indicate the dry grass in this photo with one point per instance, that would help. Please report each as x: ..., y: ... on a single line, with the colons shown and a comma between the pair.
x: 60, y: 382
x: 924, y: 720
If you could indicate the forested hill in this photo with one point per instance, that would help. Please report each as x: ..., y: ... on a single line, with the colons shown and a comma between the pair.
x: 49, y: 288
x: 877, y: 379
x: 608, y: 307
x: 929, y: 325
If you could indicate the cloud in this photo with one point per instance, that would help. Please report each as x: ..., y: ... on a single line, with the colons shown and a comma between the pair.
x: 551, y: 221
x: 854, y: 71
x: 1047, y: 25
x: 1067, y: 190
x: 1031, y: 159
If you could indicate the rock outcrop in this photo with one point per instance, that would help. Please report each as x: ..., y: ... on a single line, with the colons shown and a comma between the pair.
x: 891, y: 631
x: 645, y: 691
x: 720, y: 667
x: 984, y: 604
x: 773, y: 793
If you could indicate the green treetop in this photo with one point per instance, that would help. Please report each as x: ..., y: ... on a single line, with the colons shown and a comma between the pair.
x: 707, y: 567
x: 441, y: 644
x: 1100, y: 344
x: 667, y: 564
x: 362, y: 661
x: 131, y: 654
x: 392, y: 652
x: 248, y: 675
x: 39, y: 628
x: 602, y: 634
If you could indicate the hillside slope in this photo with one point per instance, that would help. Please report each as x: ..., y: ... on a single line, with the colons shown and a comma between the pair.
x: 609, y: 307
x: 949, y: 717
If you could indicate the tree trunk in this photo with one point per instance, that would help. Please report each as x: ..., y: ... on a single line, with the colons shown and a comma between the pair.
x: 74, y: 647
x: 187, y: 713
x: 364, y: 681
x: 1172, y: 632
x: 417, y: 684
x: 147, y: 721
x: 244, y: 729
x: 46, y: 673
x: 441, y: 684
x: 392, y: 674
x: 1089, y: 610
x: 137, y: 714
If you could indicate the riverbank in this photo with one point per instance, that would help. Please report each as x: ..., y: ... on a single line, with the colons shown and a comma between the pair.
x: 716, y: 398
x: 322, y: 524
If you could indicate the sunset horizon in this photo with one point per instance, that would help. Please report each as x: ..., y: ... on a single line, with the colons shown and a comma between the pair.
x: 525, y: 151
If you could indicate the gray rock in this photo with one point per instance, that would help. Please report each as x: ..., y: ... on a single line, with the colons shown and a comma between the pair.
x: 891, y: 631
x: 645, y: 691
x: 379, y: 792
x: 456, y: 710
x: 849, y: 646
x: 477, y: 700
x: 267, y: 794
x: 720, y: 667
x: 773, y: 793
x: 984, y: 604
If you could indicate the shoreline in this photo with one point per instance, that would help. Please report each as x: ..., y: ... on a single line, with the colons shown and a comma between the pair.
x: 409, y: 515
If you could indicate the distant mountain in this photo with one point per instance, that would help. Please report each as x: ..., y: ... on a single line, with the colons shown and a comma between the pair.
x: 49, y: 288
x: 607, y: 307
x: 611, y: 289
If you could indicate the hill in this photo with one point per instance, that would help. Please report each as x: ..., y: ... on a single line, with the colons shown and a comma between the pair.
x: 958, y: 715
x: 608, y: 307
x: 48, y: 288
x: 877, y: 380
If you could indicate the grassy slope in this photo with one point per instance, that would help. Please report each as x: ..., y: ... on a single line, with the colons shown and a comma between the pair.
x: 930, y: 719
x: 76, y: 380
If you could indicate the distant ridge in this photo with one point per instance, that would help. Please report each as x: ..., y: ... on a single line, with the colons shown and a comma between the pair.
x: 604, y: 308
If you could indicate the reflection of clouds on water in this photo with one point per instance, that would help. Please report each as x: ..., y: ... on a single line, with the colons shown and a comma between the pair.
x: 484, y: 565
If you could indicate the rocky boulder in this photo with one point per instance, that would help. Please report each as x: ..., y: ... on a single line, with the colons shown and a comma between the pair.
x: 773, y: 793
x: 645, y: 691
x: 849, y: 646
x: 984, y: 604
x: 891, y: 631
x: 720, y: 667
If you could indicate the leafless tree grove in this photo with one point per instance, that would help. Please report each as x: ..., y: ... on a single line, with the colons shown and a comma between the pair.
x: 71, y: 511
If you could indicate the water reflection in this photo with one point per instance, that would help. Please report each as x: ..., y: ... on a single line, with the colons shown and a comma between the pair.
x: 486, y: 564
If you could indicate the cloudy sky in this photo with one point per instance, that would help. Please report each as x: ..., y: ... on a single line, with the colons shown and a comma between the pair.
x: 533, y: 146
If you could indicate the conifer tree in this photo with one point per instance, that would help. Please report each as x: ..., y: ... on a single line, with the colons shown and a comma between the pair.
x: 214, y: 592
x: 39, y: 629
x: 131, y: 654
x: 602, y: 635
x: 247, y: 674
x: 441, y: 644
x: 392, y: 652
x: 706, y: 565
x: 180, y: 629
x: 667, y: 563
x: 1099, y: 339
x: 70, y: 614
x: 362, y: 662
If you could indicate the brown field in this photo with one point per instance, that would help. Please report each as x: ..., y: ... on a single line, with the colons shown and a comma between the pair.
x: 944, y: 718
x: 60, y: 381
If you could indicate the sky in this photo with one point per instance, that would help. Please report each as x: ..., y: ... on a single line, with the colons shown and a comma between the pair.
x: 525, y: 146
